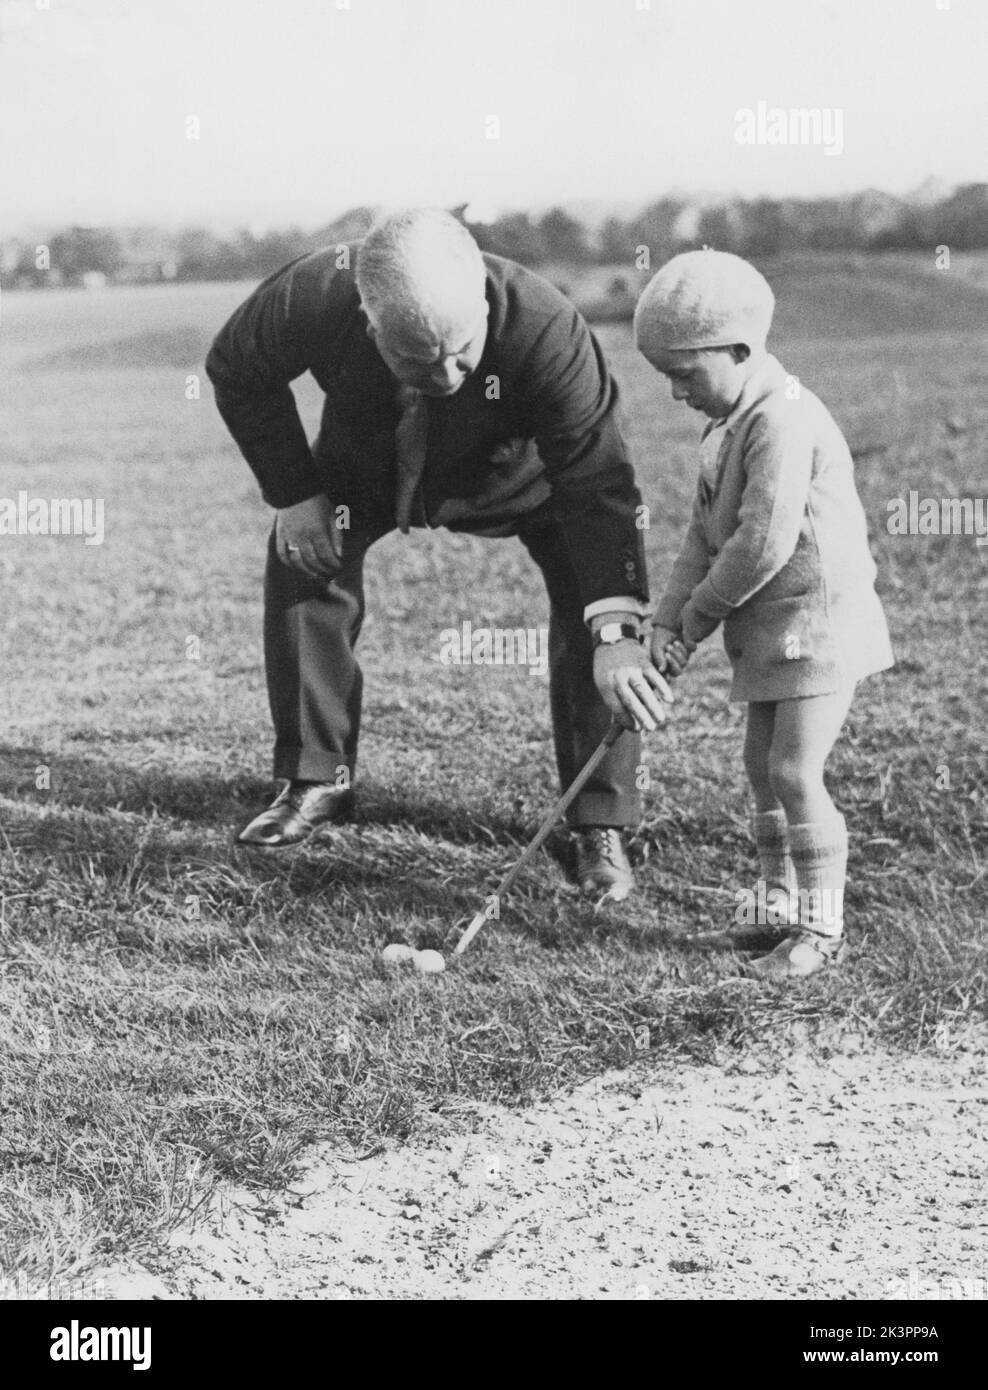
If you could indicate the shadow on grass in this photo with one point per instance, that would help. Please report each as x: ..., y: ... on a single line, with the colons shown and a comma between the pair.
x: 427, y: 859
x: 64, y: 861
x: 102, y: 784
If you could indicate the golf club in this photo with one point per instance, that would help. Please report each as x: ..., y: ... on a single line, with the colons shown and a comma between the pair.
x: 552, y: 815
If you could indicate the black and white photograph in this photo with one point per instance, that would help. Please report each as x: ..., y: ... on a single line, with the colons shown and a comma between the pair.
x: 494, y: 755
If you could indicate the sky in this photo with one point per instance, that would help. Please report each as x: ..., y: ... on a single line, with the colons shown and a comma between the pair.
x: 298, y: 109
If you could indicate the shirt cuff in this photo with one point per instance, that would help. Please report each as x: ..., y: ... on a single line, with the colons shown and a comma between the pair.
x: 615, y: 605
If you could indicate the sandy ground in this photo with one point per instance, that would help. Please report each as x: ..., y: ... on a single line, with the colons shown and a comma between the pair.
x: 861, y: 1177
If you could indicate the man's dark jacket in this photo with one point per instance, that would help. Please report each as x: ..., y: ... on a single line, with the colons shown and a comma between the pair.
x: 542, y: 378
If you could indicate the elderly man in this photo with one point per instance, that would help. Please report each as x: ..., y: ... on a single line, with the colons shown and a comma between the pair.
x: 465, y: 392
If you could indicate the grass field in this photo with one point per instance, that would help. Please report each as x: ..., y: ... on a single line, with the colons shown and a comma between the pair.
x: 175, y: 1011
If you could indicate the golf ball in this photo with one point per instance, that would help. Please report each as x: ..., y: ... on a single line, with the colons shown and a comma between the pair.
x: 397, y: 952
x: 429, y: 962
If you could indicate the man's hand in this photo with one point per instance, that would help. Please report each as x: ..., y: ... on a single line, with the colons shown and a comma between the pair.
x: 669, y: 652
x: 629, y: 684
x: 306, y: 537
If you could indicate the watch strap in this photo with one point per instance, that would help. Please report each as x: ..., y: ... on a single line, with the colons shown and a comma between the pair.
x: 628, y: 630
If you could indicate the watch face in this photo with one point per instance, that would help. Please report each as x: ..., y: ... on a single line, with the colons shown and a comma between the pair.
x: 610, y: 632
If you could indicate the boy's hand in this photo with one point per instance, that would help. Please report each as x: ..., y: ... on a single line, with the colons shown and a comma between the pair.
x: 669, y: 652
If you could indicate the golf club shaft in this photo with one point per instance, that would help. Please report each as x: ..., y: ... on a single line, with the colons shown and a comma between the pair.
x: 568, y: 796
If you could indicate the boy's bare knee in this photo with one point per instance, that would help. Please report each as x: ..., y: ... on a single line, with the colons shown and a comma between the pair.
x: 790, y: 779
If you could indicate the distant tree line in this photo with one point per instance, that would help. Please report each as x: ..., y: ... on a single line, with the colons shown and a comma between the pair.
x: 870, y: 221
x: 761, y: 227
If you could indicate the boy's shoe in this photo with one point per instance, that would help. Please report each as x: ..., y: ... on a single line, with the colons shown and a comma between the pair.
x: 802, y: 953
x: 602, y: 864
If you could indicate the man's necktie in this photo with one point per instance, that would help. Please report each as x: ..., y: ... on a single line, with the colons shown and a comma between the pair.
x: 410, y: 447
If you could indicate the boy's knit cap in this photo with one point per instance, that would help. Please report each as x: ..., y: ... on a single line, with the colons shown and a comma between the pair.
x: 704, y: 299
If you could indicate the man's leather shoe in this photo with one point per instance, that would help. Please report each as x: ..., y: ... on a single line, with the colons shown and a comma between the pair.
x: 297, y: 810
x: 601, y: 863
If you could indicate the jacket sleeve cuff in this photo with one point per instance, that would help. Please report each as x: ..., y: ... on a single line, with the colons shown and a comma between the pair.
x: 696, y: 624
x: 288, y: 492
x: 706, y: 598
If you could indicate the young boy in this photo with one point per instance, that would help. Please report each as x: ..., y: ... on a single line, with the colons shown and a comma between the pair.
x: 777, y: 550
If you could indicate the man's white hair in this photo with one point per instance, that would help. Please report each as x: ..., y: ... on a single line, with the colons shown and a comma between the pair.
x: 420, y: 266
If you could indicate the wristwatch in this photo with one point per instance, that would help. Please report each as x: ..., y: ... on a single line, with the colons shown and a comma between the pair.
x: 609, y: 633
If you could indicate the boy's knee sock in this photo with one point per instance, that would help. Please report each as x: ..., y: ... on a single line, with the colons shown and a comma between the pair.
x: 819, y: 855
x: 772, y: 842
